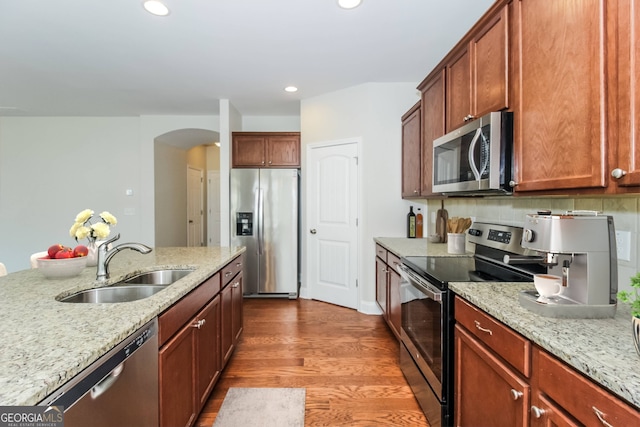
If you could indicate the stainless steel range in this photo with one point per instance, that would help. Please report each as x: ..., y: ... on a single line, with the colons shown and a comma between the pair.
x: 426, y: 350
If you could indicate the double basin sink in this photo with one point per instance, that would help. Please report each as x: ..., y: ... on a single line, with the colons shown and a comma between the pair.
x: 134, y: 288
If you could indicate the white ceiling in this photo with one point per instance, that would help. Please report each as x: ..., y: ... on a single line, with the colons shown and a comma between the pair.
x: 112, y: 58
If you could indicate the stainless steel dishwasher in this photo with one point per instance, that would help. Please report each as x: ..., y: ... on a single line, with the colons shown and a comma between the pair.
x: 119, y: 389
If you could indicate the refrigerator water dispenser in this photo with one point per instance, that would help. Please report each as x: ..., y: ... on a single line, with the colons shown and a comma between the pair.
x: 244, y: 223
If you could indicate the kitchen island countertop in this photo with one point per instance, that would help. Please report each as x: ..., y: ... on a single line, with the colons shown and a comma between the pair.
x: 45, y: 343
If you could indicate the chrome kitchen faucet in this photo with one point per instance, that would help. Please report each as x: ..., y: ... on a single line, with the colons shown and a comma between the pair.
x: 105, y: 255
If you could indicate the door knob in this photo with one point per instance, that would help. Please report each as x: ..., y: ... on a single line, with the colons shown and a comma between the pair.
x: 313, y: 231
x: 190, y: 221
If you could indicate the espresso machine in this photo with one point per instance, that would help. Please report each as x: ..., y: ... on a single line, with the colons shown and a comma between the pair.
x: 579, y: 247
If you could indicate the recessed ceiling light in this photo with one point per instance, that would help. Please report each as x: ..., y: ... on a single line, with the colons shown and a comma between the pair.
x: 291, y: 89
x: 156, y: 8
x: 349, y: 4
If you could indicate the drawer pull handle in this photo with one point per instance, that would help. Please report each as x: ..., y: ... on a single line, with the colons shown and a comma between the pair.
x: 238, y: 264
x: 515, y: 394
x: 481, y: 328
x: 199, y: 324
x: 537, y: 412
x: 600, y: 416
x: 228, y: 273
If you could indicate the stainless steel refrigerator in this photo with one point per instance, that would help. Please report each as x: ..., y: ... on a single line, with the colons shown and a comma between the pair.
x: 264, y: 218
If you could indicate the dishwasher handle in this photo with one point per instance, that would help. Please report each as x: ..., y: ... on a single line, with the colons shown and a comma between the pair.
x: 104, y: 385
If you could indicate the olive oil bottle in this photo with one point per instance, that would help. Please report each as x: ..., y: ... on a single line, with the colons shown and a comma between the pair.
x: 411, y: 223
x: 419, y: 224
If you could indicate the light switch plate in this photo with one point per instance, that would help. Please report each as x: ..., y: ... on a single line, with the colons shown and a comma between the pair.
x: 623, y: 245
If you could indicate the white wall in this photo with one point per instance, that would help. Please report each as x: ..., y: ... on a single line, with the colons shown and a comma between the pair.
x: 270, y: 124
x: 370, y: 112
x: 170, y: 195
x: 52, y: 168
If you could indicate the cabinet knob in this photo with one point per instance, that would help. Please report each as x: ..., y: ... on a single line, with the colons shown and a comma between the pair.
x: 468, y: 117
x: 270, y: 162
x: 415, y: 191
x: 512, y: 184
x: 515, y: 394
x: 618, y: 173
x: 199, y: 324
x: 235, y: 285
x: 537, y: 412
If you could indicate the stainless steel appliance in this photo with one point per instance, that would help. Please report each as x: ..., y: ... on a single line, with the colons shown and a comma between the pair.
x: 580, y: 247
x: 264, y: 218
x: 476, y: 158
x: 427, y: 344
x: 119, y: 389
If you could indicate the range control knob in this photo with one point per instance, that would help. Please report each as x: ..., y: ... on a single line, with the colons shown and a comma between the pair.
x: 528, y: 235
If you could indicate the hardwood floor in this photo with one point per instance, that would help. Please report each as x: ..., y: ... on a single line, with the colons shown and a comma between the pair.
x: 347, y: 361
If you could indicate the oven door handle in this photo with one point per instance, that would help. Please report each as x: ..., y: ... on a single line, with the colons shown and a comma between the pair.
x: 405, y: 273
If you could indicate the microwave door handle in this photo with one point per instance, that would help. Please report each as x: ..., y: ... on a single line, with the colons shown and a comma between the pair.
x: 472, y: 149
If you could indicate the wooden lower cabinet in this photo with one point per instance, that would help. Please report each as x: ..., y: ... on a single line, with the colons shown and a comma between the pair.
x: 197, y: 337
x: 231, y: 309
x: 388, y: 288
x: 493, y: 386
x: 487, y: 390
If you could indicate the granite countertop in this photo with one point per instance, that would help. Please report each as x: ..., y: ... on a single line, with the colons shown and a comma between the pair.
x: 416, y: 247
x: 602, y: 349
x: 45, y: 343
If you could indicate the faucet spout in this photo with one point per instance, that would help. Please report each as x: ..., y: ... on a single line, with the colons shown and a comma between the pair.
x: 105, y: 254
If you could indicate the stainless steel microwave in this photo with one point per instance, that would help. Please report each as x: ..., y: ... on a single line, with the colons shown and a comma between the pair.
x: 476, y: 158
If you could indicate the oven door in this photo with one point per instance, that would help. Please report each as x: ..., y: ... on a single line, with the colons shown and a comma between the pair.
x: 423, y: 334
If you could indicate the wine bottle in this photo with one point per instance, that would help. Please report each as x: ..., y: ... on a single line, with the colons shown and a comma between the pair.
x: 419, y: 224
x: 411, y: 223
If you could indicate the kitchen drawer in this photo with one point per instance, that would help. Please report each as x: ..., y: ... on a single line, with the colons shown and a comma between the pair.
x: 230, y: 270
x: 178, y: 314
x: 381, y: 253
x: 511, y: 346
x: 393, y: 261
x: 583, y: 399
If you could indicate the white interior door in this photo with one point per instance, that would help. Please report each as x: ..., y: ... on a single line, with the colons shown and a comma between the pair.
x: 194, y: 206
x: 332, y: 206
x: 213, y: 199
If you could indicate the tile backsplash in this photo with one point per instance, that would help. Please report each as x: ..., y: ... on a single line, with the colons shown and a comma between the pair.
x: 512, y: 210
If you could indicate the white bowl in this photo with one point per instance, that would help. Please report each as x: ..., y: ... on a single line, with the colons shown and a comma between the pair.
x: 61, y: 268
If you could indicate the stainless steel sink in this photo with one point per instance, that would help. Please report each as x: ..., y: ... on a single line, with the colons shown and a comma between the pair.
x: 158, y: 277
x: 111, y: 294
x: 135, y: 288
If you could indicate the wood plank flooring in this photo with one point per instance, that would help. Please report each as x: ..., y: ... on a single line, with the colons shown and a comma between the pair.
x: 347, y: 361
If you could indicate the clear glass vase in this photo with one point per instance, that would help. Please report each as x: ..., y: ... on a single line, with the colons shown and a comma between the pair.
x: 635, y: 324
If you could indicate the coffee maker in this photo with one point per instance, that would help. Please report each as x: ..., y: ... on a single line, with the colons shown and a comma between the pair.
x: 580, y: 247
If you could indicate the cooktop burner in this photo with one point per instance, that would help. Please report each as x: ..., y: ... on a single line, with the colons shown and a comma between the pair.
x: 441, y: 270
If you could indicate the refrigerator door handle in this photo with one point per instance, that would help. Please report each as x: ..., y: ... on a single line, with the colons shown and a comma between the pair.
x: 260, y: 221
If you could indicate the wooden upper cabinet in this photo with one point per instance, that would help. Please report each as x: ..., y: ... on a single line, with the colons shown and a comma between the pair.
x: 433, y: 124
x: 411, y: 152
x: 477, y: 71
x: 266, y: 149
x: 627, y: 157
x: 560, y: 120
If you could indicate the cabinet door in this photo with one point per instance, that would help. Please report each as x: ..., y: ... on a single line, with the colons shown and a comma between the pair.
x: 458, y: 88
x: 381, y: 286
x: 226, y: 319
x: 411, y: 153
x: 248, y: 151
x: 487, y: 391
x: 236, y: 303
x: 490, y: 67
x: 628, y: 156
x: 177, y: 372
x: 433, y: 125
x: 208, y: 350
x: 544, y: 413
x: 283, y: 151
x: 395, y: 317
x: 560, y: 118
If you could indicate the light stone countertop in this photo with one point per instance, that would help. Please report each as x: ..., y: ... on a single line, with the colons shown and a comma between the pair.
x: 601, y: 349
x: 45, y: 343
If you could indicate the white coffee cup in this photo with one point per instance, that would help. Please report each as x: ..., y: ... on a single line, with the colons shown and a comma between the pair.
x: 548, y: 285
